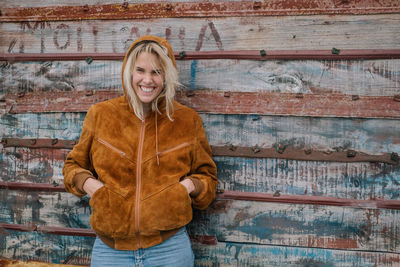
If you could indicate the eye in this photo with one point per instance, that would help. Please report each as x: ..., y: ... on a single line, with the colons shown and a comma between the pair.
x: 156, y: 72
x: 139, y: 70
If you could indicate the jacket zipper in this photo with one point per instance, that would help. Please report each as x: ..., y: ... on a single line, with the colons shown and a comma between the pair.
x: 111, y: 147
x: 173, y: 149
x: 138, y: 181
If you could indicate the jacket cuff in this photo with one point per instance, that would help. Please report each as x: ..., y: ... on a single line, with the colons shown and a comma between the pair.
x: 198, y: 187
x: 80, y: 179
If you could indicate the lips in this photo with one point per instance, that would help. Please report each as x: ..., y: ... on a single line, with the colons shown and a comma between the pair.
x: 147, y: 89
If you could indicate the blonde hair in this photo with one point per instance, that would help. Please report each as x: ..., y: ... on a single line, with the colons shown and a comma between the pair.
x: 168, y: 70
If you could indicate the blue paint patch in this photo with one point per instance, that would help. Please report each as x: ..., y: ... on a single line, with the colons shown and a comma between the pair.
x: 193, y: 70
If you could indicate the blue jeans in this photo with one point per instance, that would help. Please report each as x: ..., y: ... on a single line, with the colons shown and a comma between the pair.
x: 175, y: 251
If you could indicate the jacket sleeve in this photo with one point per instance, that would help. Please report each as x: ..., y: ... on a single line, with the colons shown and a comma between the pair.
x: 77, y: 166
x: 204, y: 170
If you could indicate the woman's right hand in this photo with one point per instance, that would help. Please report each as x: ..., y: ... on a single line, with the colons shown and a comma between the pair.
x: 92, y: 185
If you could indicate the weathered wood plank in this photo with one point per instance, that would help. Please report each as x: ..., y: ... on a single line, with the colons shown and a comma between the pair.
x: 193, y: 9
x: 46, y: 247
x: 59, y: 209
x: 300, y: 225
x: 367, y: 135
x: 237, y: 221
x: 371, y: 136
x: 226, y: 254
x: 77, y: 251
x: 34, y: 3
x: 206, y: 101
x: 363, y: 181
x: 54, y: 125
x: 278, y: 152
x: 193, y: 34
x: 32, y: 165
x: 369, y: 77
x: 349, y: 180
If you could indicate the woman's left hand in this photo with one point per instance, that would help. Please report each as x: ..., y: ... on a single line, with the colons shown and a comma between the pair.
x: 188, y: 184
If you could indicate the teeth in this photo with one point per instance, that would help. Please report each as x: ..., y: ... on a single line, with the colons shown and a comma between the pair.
x: 146, y: 89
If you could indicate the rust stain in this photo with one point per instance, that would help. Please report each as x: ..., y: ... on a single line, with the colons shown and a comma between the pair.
x: 347, y: 54
x: 49, y: 150
x: 215, y: 102
x: 196, y: 9
x: 330, y: 242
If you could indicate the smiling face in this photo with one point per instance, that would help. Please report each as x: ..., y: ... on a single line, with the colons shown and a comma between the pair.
x: 147, y: 78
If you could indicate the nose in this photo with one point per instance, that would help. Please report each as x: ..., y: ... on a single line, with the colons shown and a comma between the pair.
x: 147, y: 78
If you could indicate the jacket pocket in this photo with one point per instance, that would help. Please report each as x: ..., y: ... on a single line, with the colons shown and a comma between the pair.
x: 173, y: 148
x: 111, y: 214
x: 111, y: 147
x: 170, y: 208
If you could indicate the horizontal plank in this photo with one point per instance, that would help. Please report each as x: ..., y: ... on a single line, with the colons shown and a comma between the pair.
x: 300, y: 225
x: 44, y: 247
x: 364, y: 78
x: 34, y: 3
x: 227, y: 254
x: 205, y: 101
x: 280, y: 151
x: 233, y: 254
x: 207, y: 34
x: 194, y: 9
x: 239, y: 221
x: 363, y: 181
x: 370, y: 136
x: 333, y: 54
x: 277, y: 197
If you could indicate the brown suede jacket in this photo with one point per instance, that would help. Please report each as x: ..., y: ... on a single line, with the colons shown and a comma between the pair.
x: 141, y: 164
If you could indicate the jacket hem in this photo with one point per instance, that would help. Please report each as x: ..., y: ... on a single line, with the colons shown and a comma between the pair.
x: 131, y: 243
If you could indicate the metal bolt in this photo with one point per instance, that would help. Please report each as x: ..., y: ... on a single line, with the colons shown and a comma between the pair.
x: 32, y: 141
x: 355, y: 97
x: 227, y: 94
x: 280, y: 148
x: 396, y: 98
x: 89, y: 60
x: 256, y: 149
x: 308, y: 151
x: 125, y: 5
x: 86, y: 8
x: 394, y: 156
x: 263, y: 53
x: 182, y: 54
x: 277, y: 193
x: 299, y: 95
x: 257, y: 5
x: 5, y: 65
x: 54, y: 141
x: 21, y: 94
x: 232, y: 147
x: 351, y: 153
x: 168, y: 7
x: 335, y: 51
x: 220, y: 191
x: 190, y: 93
x: 89, y: 93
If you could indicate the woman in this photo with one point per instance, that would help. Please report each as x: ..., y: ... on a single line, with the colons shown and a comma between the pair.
x: 145, y: 161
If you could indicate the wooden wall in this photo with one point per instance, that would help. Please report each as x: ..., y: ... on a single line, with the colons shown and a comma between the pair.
x: 300, y: 102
